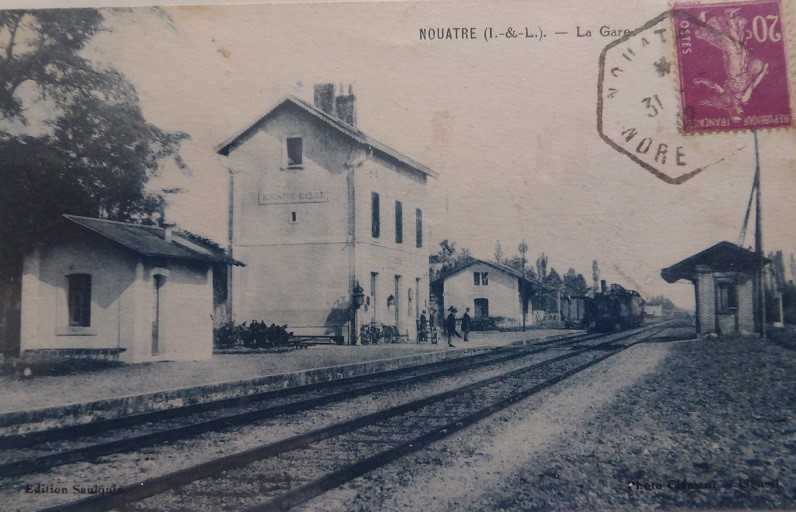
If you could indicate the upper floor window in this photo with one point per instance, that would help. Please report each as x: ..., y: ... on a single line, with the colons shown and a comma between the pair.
x: 79, y: 299
x: 399, y: 222
x: 480, y: 278
x: 375, y: 217
x: 418, y: 228
x: 295, y: 152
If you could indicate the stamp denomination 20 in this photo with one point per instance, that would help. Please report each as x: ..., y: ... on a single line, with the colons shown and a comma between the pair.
x: 733, y: 66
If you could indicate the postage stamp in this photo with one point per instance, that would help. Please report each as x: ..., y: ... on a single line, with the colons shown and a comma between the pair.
x: 733, y: 66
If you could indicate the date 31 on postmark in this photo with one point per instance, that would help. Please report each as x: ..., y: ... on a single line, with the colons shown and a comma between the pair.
x: 733, y: 66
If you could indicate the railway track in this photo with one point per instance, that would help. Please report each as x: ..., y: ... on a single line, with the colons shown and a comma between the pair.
x: 278, y: 476
x: 37, y: 452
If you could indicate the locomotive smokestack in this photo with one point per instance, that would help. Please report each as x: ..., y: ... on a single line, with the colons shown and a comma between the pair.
x: 603, y: 286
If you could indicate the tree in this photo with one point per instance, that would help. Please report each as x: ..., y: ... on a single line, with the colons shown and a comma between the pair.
x: 88, y: 151
x: 541, y: 266
x: 792, y: 265
x: 574, y: 283
x: 499, y: 256
x: 595, y: 276
x: 449, y: 256
x: 554, y: 282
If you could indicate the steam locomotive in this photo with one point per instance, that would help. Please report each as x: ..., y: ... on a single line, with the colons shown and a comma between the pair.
x: 612, y: 309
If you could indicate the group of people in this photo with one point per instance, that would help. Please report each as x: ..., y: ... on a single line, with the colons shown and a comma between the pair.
x: 450, y: 325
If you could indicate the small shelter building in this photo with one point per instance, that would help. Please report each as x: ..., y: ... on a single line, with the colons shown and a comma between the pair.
x: 140, y: 293
x: 723, y: 278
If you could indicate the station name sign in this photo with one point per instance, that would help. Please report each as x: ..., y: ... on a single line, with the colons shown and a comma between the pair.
x: 319, y: 196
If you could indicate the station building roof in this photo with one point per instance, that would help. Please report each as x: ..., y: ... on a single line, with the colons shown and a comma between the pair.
x: 722, y: 257
x: 153, y: 241
x: 530, y: 281
x: 349, y: 131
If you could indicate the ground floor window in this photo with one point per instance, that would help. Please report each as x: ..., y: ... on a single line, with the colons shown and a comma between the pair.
x: 79, y: 299
x: 727, y: 297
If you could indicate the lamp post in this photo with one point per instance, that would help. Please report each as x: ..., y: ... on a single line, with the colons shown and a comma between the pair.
x: 523, y: 248
x: 357, y: 299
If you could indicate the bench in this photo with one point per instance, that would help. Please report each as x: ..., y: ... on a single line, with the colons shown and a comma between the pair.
x: 37, y: 354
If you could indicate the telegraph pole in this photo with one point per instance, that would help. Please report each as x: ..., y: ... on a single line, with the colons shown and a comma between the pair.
x: 523, y: 248
x: 761, y: 292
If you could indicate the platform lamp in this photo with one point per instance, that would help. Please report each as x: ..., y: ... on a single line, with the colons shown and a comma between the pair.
x: 358, y: 295
x: 357, y: 299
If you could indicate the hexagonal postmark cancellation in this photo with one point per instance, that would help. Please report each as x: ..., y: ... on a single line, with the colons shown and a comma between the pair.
x: 638, y: 107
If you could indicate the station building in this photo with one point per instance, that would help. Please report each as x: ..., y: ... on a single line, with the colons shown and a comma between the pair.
x: 654, y: 310
x: 489, y: 289
x: 127, y: 291
x: 723, y: 278
x: 317, y: 208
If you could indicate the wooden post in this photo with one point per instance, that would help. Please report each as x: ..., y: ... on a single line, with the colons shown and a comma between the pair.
x: 761, y: 292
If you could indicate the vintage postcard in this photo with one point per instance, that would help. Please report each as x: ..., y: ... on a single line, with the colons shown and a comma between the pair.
x: 513, y: 255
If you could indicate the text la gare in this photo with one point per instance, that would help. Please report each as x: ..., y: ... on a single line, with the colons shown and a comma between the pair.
x: 605, y: 31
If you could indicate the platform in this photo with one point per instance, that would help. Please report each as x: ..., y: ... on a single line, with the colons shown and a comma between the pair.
x: 46, y: 402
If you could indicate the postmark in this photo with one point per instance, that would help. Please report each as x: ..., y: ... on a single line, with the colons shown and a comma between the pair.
x: 638, y: 107
x: 732, y: 66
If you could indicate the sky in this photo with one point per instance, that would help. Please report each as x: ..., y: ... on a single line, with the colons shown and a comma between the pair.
x: 510, y: 126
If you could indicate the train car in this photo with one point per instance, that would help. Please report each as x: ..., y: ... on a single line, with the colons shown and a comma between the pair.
x: 573, y: 311
x: 614, y: 309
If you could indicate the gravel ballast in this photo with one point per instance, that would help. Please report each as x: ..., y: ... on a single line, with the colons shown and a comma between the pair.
x: 705, y: 424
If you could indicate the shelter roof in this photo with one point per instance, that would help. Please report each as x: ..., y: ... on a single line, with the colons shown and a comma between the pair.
x: 722, y: 257
x: 152, y: 241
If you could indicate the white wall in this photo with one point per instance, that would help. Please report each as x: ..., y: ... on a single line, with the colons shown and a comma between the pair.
x: 45, y: 322
x: 502, y: 292
x: 383, y: 254
x: 296, y: 273
x: 122, y: 301
x: 302, y: 273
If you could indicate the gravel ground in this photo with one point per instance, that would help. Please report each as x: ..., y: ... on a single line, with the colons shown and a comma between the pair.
x: 715, y: 414
x: 142, y: 378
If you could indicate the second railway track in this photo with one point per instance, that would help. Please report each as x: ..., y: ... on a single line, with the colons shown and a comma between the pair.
x: 277, y: 476
x: 40, y: 451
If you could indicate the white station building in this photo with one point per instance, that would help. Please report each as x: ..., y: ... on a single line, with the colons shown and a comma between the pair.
x: 317, y: 206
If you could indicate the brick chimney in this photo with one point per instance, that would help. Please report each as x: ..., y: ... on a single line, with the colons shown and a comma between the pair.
x: 346, y: 106
x: 324, y: 98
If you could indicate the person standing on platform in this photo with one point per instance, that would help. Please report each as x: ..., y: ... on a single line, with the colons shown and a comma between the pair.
x: 432, y: 325
x: 450, y: 326
x: 467, y: 324
x: 421, y: 327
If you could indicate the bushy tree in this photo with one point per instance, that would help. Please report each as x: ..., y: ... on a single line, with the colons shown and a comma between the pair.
x: 450, y: 256
x: 88, y: 151
x: 541, y: 266
x: 574, y: 283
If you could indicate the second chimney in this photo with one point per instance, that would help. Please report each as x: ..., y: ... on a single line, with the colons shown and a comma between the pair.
x: 346, y: 106
x: 324, y: 98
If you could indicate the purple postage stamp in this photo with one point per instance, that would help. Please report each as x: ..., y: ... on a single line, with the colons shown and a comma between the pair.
x: 733, y: 66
